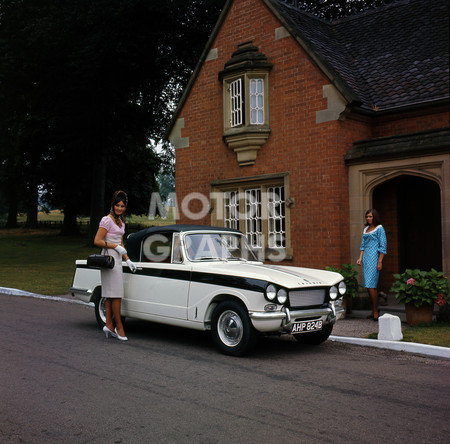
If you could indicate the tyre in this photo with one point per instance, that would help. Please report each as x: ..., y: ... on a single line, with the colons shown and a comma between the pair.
x: 316, y: 337
x: 100, y: 314
x: 232, y: 330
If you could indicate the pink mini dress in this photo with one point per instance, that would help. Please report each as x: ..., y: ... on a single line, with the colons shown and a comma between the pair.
x: 112, y: 278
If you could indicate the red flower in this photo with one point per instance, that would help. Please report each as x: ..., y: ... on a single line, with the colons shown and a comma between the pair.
x: 440, y: 300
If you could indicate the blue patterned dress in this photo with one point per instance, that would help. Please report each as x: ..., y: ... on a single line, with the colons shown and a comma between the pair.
x: 372, y: 244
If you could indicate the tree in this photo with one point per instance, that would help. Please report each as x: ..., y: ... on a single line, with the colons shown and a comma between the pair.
x: 96, y: 80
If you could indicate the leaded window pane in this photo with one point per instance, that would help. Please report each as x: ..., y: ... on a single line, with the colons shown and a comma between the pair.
x: 256, y: 101
x: 277, y: 217
x: 236, y: 103
x: 253, y: 224
x: 231, y: 207
x: 253, y: 221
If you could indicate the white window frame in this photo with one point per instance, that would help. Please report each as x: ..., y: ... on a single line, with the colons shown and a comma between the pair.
x: 260, y: 209
x: 256, y: 102
x: 231, y: 209
x: 253, y: 217
x: 236, y: 103
x: 240, y: 103
x: 276, y: 208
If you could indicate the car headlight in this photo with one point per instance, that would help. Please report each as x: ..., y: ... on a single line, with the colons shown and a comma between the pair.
x: 282, y: 296
x: 333, y: 292
x: 271, y: 292
x: 274, y: 294
x: 342, y: 288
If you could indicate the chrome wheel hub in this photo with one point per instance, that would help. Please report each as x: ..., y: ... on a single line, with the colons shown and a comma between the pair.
x: 230, y: 328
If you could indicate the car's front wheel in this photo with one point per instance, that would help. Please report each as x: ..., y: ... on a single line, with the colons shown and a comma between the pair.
x: 232, y: 330
x: 316, y: 337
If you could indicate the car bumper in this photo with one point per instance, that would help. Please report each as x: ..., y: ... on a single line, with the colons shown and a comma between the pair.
x: 281, y: 321
x: 81, y: 293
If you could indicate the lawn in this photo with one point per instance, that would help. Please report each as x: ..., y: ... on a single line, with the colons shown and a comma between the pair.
x: 432, y: 334
x: 43, y: 262
x: 40, y: 261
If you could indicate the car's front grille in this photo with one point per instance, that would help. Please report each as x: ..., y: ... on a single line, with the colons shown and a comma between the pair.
x: 307, y: 297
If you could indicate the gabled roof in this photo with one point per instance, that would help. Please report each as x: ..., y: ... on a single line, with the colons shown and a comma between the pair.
x: 389, y: 58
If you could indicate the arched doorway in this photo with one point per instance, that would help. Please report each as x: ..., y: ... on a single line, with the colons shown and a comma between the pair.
x: 411, y: 211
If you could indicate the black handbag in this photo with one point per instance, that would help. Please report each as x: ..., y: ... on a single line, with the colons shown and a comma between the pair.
x: 100, y: 260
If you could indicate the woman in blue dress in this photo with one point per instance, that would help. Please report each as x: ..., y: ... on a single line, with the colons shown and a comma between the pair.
x: 373, y: 250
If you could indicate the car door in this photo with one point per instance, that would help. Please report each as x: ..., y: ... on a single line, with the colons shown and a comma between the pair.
x: 160, y: 286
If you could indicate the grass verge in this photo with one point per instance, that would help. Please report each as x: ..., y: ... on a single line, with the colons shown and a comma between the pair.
x: 40, y: 261
x: 431, y: 334
x: 43, y: 262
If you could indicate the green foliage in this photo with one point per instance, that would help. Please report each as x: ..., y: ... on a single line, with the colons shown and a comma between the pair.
x: 349, y: 273
x: 87, y: 89
x: 421, y: 287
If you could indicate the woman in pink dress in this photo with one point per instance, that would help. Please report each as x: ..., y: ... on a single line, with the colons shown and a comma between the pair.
x: 110, y: 237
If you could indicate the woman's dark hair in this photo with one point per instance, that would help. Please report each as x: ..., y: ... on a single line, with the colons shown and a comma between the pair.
x: 118, y: 196
x: 376, y: 217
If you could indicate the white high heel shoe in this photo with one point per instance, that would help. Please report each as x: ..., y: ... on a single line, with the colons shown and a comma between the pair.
x: 108, y: 332
x: 120, y: 338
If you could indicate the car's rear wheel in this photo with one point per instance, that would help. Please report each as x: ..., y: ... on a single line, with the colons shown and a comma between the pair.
x: 232, y: 330
x: 316, y: 337
x: 100, y: 314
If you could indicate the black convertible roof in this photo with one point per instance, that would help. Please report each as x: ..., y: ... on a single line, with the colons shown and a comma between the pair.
x: 134, y: 240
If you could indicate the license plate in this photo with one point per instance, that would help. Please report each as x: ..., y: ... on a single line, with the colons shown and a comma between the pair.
x: 306, y: 326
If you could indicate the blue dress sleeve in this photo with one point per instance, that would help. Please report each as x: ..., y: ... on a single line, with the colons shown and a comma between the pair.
x: 382, y: 241
x: 361, y: 248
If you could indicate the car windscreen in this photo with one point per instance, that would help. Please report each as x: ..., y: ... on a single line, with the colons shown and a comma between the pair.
x: 218, y: 246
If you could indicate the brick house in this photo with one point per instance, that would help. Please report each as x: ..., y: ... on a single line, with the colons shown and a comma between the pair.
x: 291, y: 127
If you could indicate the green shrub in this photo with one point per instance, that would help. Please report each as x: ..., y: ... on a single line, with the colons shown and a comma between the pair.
x: 349, y: 273
x: 421, y: 287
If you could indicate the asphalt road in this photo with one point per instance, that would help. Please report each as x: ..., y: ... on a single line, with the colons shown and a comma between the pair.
x: 63, y: 381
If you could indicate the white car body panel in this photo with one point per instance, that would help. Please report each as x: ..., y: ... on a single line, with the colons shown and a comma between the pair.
x: 160, y: 296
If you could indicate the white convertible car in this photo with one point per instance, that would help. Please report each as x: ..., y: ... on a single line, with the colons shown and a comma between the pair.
x: 208, y: 278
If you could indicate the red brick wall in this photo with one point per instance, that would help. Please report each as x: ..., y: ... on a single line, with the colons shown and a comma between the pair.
x: 312, y: 153
x: 410, y: 123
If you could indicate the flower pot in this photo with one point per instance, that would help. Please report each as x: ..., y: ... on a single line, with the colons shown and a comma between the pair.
x: 416, y: 315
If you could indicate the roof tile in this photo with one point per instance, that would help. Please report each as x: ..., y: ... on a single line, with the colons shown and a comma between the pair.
x: 391, y: 56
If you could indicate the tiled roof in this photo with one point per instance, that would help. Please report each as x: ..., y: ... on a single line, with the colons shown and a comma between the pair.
x: 389, y: 57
